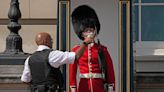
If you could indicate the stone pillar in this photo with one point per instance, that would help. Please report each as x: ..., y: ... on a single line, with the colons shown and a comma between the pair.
x: 12, y: 59
x: 14, y: 41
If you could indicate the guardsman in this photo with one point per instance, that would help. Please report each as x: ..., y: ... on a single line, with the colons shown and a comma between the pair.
x: 85, y: 23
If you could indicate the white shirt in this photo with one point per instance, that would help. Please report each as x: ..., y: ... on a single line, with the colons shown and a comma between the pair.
x: 56, y: 58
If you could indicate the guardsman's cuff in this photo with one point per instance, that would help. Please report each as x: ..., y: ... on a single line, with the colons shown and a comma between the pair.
x: 110, y: 87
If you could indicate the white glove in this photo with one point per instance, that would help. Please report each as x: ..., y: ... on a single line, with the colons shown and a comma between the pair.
x: 73, y: 88
x: 110, y: 88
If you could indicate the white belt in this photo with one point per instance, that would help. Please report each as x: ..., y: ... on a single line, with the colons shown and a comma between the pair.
x: 91, y: 75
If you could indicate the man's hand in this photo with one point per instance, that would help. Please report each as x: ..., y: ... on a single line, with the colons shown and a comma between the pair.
x: 88, y: 39
x: 81, y: 49
x: 28, y: 83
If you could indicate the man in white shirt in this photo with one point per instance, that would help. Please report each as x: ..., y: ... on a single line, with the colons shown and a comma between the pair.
x: 38, y: 72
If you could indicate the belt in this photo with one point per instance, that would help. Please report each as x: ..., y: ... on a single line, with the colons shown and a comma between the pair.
x: 91, y: 75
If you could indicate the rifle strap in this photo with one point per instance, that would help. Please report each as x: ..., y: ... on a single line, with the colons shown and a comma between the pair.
x: 102, y: 61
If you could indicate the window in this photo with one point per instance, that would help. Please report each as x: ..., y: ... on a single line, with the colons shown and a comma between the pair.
x: 149, y: 26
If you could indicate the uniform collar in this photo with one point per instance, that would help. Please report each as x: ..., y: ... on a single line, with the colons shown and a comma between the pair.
x: 42, y: 47
x: 92, y: 44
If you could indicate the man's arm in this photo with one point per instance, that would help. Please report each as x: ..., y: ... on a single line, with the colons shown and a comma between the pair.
x: 57, y: 58
x: 81, y: 49
x: 110, y: 70
x: 26, y: 75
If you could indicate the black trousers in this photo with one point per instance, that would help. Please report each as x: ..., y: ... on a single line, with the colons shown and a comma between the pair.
x: 44, y: 88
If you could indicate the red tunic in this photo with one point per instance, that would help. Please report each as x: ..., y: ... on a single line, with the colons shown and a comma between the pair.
x: 88, y: 63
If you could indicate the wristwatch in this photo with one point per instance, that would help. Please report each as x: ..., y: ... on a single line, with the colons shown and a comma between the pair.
x: 85, y: 43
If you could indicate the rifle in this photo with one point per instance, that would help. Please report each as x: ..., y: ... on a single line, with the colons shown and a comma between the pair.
x: 102, y: 64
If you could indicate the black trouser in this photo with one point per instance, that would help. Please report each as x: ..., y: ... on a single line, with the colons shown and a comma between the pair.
x: 44, y: 88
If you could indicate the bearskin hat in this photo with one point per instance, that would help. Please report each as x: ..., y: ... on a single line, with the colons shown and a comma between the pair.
x: 84, y: 17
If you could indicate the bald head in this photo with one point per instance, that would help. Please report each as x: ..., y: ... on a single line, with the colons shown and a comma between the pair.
x: 43, y: 38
